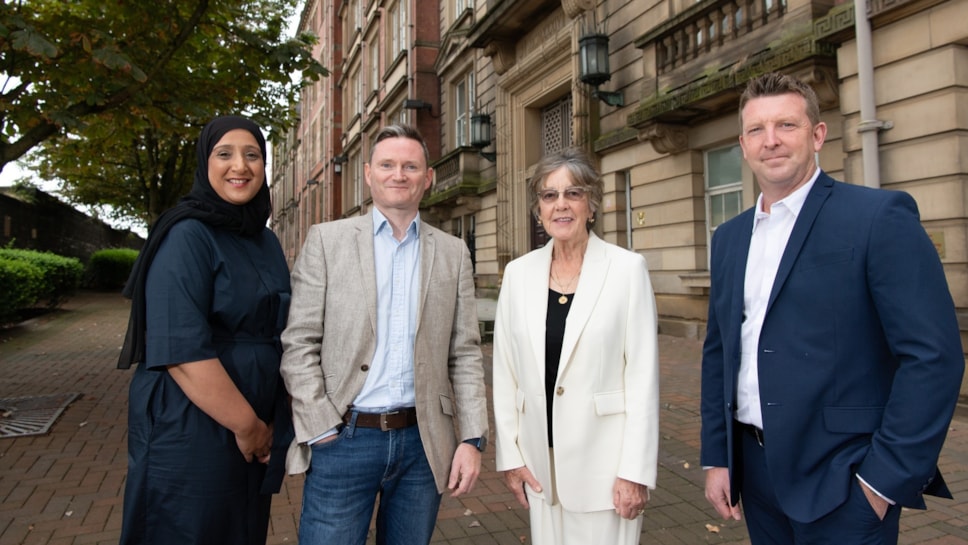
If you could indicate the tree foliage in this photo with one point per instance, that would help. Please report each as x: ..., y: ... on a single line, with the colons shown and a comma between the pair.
x: 110, y: 96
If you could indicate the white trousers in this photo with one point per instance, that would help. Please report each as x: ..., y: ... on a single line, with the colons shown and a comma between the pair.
x: 552, y: 525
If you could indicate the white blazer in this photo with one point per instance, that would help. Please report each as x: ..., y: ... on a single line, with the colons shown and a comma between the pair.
x: 606, y: 409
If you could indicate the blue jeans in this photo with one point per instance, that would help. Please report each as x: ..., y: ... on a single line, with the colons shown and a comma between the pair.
x: 348, y: 473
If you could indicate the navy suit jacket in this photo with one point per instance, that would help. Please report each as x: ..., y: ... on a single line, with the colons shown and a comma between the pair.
x: 860, y: 358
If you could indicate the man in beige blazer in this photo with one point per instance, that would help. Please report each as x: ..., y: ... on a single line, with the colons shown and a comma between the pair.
x: 382, y: 360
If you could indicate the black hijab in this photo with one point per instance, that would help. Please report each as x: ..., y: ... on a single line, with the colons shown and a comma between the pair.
x: 204, y: 204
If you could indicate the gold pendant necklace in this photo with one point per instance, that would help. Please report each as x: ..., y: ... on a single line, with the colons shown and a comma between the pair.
x: 564, y: 298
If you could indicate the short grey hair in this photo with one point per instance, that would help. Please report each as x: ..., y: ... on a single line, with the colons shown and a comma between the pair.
x: 579, y: 167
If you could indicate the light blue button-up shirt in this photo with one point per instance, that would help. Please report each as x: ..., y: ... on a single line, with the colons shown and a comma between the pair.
x: 389, y: 382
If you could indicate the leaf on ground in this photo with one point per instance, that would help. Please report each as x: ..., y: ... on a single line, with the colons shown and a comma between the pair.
x: 712, y: 528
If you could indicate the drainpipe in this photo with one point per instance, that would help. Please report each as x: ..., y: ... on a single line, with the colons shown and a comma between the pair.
x: 869, y: 125
x: 628, y: 210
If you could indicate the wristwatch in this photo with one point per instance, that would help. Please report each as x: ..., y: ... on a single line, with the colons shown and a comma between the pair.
x: 480, y: 443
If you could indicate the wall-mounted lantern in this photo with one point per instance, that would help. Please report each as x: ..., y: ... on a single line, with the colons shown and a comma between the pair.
x: 338, y: 163
x: 481, y: 135
x: 593, y: 67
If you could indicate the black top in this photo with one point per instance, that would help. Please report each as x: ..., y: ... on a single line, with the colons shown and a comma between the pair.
x: 211, y: 293
x: 554, y: 337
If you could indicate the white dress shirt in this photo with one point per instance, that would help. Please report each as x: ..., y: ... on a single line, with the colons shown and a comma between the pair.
x: 771, y: 231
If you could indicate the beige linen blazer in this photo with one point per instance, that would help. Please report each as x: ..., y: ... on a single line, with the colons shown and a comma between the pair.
x: 331, y: 336
x: 606, y: 409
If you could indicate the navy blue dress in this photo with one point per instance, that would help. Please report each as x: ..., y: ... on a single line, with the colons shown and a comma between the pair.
x: 209, y: 294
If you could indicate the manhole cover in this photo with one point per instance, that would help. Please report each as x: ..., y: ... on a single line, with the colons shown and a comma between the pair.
x: 33, y: 415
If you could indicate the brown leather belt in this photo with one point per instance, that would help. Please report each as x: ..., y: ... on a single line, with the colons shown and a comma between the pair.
x: 395, y: 420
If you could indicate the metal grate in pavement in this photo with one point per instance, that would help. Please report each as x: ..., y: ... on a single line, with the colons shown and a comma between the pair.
x: 33, y: 415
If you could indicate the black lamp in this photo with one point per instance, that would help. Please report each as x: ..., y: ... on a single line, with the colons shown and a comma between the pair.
x: 481, y: 135
x: 593, y: 67
x: 338, y: 163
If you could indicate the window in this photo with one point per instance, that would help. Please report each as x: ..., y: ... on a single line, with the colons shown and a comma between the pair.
x: 556, y: 126
x: 454, y: 9
x: 358, y: 176
x: 374, y: 62
x: 357, y: 105
x: 353, y: 181
x: 463, y: 109
x: 397, y: 29
x: 724, y: 186
x: 397, y: 115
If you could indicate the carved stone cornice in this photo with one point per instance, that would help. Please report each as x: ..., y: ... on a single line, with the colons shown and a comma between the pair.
x: 665, y: 137
x: 824, y: 81
x: 502, y: 56
x: 837, y: 25
x: 574, y: 8
x: 882, y: 12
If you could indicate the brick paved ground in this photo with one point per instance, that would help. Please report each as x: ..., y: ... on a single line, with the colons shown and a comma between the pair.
x: 65, y: 487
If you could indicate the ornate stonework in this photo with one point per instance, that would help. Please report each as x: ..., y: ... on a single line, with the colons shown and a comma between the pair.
x: 502, y: 56
x: 665, y: 137
x: 574, y: 8
x: 824, y: 81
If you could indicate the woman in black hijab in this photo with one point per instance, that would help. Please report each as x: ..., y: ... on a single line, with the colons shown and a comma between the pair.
x: 208, y: 420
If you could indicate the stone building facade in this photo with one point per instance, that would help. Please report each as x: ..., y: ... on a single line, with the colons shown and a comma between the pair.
x: 663, y: 126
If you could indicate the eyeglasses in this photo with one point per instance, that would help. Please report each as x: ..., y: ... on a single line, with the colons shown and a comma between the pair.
x: 573, y: 193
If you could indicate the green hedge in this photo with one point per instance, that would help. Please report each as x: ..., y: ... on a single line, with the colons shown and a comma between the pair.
x: 109, y: 269
x: 61, y: 275
x: 21, y: 283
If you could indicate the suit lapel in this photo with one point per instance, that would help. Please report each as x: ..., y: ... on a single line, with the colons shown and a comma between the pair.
x: 740, y: 255
x: 367, y: 263
x: 536, y: 305
x: 808, y: 214
x: 593, y: 272
x: 428, y: 254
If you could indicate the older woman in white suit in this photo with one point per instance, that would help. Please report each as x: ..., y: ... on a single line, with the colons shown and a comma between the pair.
x: 576, y: 379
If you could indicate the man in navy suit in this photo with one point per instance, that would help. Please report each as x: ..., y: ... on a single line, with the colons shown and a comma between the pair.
x: 833, y: 362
